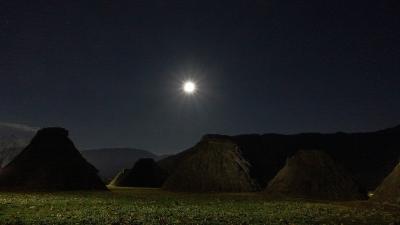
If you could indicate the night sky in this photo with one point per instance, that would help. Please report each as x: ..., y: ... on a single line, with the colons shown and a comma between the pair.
x: 111, y: 71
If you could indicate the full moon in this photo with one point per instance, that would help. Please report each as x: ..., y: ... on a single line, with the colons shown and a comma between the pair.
x: 189, y: 87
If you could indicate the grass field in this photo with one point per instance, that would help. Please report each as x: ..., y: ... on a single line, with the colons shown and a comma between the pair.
x: 153, y: 206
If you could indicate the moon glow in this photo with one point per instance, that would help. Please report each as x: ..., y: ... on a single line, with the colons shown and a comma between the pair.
x: 189, y: 87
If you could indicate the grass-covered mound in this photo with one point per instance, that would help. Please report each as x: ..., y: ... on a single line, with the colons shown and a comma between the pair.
x: 50, y: 162
x: 213, y: 165
x: 389, y: 190
x: 314, y: 174
x: 145, y: 173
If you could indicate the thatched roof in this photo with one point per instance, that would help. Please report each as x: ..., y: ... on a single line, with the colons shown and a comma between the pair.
x: 369, y: 156
x: 314, y: 174
x: 213, y: 165
x: 50, y: 162
x: 119, y: 177
x: 145, y: 173
x: 389, y: 190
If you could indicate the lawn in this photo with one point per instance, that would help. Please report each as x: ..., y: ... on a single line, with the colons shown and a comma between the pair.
x: 153, y: 206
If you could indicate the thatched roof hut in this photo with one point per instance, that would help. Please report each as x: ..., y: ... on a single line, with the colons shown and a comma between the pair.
x: 369, y: 156
x: 145, y: 173
x: 213, y: 165
x: 389, y: 190
x: 315, y: 175
x: 50, y: 162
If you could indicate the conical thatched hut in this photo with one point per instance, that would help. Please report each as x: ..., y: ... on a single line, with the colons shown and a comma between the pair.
x: 315, y: 175
x: 50, y: 162
x: 389, y: 190
x: 213, y: 165
x: 145, y: 173
x: 369, y: 156
x: 119, y: 177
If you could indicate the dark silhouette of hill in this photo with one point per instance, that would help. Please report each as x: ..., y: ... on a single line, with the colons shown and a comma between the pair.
x: 213, y: 165
x: 145, y: 173
x: 50, y: 162
x: 109, y: 161
x: 315, y: 175
x: 368, y: 156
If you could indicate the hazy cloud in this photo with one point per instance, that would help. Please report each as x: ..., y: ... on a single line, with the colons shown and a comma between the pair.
x: 18, y: 126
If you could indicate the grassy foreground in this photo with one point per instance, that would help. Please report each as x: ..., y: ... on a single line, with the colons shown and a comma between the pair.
x: 153, y: 206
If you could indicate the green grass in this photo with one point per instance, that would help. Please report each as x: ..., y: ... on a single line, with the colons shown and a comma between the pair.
x: 153, y: 206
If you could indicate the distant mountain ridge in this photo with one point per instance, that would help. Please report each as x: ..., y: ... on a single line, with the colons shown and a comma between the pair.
x: 110, y: 161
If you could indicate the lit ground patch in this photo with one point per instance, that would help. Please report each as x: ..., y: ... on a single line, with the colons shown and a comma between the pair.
x: 153, y: 206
